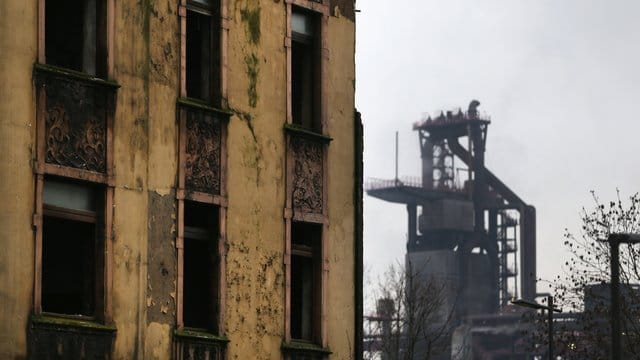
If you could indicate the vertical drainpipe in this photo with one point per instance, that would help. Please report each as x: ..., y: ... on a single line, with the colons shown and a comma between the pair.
x: 358, y: 145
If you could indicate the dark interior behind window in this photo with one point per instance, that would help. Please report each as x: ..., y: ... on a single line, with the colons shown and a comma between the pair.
x: 75, y: 35
x: 200, y: 286
x: 305, y: 71
x: 71, y: 243
x: 305, y: 280
x: 203, y: 55
x: 68, y: 266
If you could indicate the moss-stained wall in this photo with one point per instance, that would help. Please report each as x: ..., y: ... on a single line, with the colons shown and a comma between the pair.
x: 255, y: 273
x: 255, y: 228
x: 146, y: 66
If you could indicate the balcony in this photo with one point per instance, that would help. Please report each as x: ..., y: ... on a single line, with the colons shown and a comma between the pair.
x: 69, y: 338
x: 76, y: 113
x: 197, y: 345
x: 302, y: 350
x: 202, y: 150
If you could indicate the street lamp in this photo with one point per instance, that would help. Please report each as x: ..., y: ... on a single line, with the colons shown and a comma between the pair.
x: 614, y: 243
x: 550, y: 310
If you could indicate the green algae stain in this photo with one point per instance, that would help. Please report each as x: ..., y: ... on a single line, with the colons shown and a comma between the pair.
x: 251, y: 61
x: 251, y: 18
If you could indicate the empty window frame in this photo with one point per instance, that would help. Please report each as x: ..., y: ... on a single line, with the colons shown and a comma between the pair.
x: 203, y: 50
x: 75, y: 35
x: 305, y: 69
x: 306, y: 282
x: 201, y: 266
x: 72, y: 248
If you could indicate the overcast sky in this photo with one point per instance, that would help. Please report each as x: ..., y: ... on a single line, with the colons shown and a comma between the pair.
x: 559, y: 78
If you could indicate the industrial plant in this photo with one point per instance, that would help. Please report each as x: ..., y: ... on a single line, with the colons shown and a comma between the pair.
x: 470, y: 232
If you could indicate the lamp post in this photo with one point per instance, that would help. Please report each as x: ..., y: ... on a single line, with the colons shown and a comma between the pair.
x: 614, y: 244
x: 550, y: 310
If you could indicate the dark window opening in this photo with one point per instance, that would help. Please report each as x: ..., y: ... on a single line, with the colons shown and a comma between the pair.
x: 75, y: 35
x: 305, y: 280
x: 71, y: 261
x: 305, y: 71
x: 200, y: 287
x: 202, y: 58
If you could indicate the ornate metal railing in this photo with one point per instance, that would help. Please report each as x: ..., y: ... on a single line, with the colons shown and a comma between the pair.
x: 195, y: 345
x: 203, y: 150
x: 69, y: 338
x: 76, y: 110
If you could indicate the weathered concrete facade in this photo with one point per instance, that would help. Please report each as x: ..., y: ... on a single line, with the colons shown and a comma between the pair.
x: 144, y: 207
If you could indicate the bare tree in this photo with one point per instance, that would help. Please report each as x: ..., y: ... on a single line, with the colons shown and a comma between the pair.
x: 412, y: 320
x: 583, y: 287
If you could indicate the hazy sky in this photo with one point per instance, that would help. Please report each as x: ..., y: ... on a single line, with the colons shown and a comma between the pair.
x: 559, y: 78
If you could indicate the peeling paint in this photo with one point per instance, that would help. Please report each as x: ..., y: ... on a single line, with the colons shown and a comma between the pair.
x: 163, y: 191
x: 162, y: 259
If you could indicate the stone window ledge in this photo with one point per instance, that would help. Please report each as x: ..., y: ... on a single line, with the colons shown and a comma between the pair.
x: 199, y: 335
x: 204, y: 106
x: 69, y: 323
x: 54, y: 71
x: 304, y: 349
x: 305, y: 132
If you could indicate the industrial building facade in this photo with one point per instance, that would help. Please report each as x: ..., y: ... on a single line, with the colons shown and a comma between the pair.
x: 182, y: 180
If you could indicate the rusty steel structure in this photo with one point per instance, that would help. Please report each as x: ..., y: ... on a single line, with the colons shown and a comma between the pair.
x: 461, y: 211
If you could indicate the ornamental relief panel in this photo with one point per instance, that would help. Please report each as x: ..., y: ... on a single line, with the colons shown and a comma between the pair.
x: 203, y: 152
x: 75, y: 124
x: 307, y: 175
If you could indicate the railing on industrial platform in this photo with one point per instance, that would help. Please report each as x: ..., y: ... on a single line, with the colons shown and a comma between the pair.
x: 406, y: 181
x: 450, y: 117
